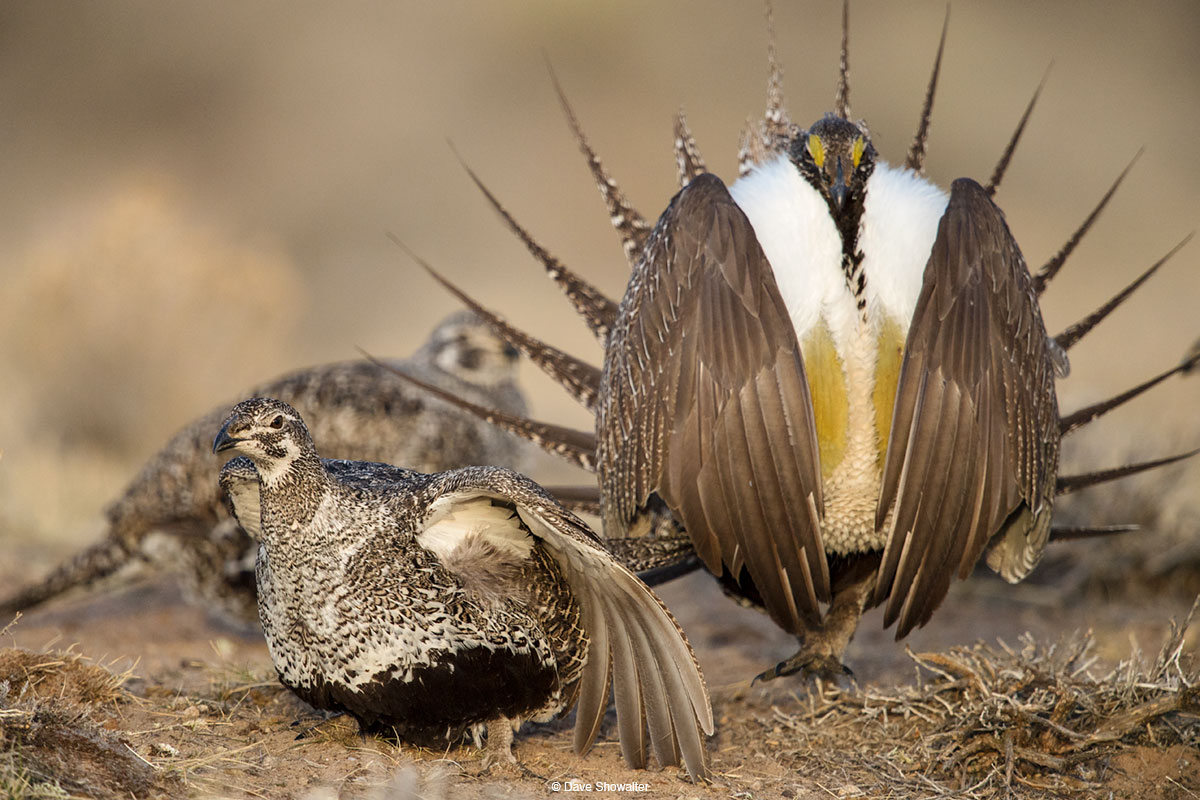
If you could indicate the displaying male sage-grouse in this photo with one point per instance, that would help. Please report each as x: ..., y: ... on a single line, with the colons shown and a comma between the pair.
x: 442, y: 605
x: 361, y: 411
x: 833, y: 373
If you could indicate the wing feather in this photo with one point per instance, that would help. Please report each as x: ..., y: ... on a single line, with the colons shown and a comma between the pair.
x: 634, y: 644
x: 705, y: 390
x: 594, y: 682
x: 627, y: 688
x: 975, y: 424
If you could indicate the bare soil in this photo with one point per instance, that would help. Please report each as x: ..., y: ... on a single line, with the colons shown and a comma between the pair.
x: 134, y: 693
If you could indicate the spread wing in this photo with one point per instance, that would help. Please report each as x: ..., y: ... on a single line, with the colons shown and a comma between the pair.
x: 974, y: 437
x: 705, y: 401
x: 633, y: 639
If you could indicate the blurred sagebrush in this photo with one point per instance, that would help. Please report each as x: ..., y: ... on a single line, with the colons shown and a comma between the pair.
x: 1163, y: 555
x: 131, y: 316
x: 120, y: 322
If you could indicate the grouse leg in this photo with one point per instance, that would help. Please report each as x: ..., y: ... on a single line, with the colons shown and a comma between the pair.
x: 821, y: 649
x: 499, y: 743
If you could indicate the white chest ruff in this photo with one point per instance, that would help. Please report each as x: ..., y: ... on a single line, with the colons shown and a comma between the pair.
x: 794, y: 227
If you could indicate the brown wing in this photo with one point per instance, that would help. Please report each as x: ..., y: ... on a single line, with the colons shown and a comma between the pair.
x: 974, y: 442
x: 705, y: 402
x: 634, y: 644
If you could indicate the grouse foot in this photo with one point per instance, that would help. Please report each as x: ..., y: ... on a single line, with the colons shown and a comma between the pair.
x: 326, y: 724
x: 821, y: 650
x: 811, y: 663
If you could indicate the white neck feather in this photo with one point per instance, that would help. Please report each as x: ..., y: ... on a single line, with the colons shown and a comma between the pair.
x: 273, y: 471
x: 798, y: 236
x: 900, y: 222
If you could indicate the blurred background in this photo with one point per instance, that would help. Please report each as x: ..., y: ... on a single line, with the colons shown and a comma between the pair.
x: 197, y: 195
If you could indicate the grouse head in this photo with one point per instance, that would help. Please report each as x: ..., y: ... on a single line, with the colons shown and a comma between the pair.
x: 836, y: 157
x: 466, y: 347
x: 269, y: 432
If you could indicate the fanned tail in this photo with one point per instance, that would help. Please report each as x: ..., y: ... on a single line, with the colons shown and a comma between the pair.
x: 84, y: 568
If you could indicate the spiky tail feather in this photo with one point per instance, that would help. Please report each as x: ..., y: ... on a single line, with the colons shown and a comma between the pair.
x: 916, y: 153
x: 597, y: 310
x: 1005, y: 157
x: 1077, y: 419
x: 626, y: 221
x: 580, y: 379
x: 577, y: 447
x: 1066, y: 484
x: 1043, y: 276
x: 1071, y: 336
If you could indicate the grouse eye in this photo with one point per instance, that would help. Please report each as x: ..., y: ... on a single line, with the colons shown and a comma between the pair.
x: 471, y: 358
x: 277, y: 423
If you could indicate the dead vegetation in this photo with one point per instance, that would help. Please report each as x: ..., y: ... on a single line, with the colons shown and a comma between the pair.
x: 984, y: 721
x: 60, y: 731
x: 996, y: 721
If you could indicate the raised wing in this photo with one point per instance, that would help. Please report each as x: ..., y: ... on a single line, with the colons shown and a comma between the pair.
x: 974, y: 438
x: 633, y: 638
x: 705, y: 401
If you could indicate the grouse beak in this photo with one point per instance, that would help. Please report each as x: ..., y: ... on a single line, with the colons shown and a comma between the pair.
x: 839, y: 190
x: 224, y: 441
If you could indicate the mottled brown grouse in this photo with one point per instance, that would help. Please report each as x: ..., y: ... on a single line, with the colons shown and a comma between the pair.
x: 438, y: 606
x: 361, y: 411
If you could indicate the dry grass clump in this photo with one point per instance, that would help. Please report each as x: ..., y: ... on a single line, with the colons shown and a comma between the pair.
x: 984, y: 722
x: 65, y: 677
x: 18, y: 782
x: 53, y: 737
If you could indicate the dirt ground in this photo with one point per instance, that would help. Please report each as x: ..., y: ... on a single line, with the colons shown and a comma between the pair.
x: 196, y: 711
x: 197, y: 200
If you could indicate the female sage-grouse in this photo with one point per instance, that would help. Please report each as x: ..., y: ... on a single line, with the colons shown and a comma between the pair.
x: 360, y: 410
x: 443, y: 605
